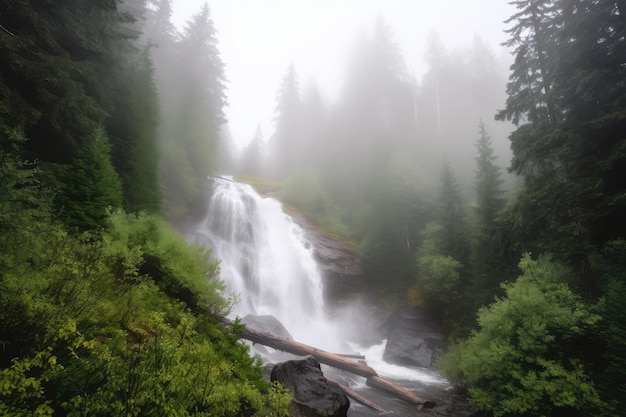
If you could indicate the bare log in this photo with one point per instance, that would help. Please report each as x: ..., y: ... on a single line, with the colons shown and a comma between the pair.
x: 400, y: 392
x: 301, y: 349
x: 348, y: 355
x: 358, y: 397
x: 335, y: 361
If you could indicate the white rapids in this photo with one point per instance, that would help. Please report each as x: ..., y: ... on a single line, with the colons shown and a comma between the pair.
x: 267, y: 264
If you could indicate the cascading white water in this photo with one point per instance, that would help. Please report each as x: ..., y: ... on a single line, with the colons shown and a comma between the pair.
x: 265, y: 260
x: 267, y: 263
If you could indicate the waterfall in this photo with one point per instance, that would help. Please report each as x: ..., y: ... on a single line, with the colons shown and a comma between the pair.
x: 267, y: 263
x: 265, y: 259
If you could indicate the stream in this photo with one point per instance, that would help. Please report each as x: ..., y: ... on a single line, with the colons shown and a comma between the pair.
x: 268, y: 266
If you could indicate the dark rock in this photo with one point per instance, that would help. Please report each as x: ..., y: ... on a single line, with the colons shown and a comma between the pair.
x: 339, y: 263
x: 267, y: 324
x: 313, y: 395
x: 412, y: 338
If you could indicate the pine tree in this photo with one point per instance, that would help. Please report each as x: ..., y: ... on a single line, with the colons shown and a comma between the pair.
x: 193, y: 119
x: 374, y: 117
x: 142, y: 191
x: 285, y: 146
x: 91, y: 186
x: 486, y: 270
x: 567, y: 84
x: 443, y: 268
x: 55, y: 63
x: 532, y: 79
x: 451, y: 216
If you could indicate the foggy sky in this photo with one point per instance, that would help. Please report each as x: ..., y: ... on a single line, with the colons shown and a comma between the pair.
x: 259, y: 39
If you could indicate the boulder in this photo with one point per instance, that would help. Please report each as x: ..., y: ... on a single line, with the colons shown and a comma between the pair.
x: 313, y: 395
x: 267, y: 324
x: 412, y: 338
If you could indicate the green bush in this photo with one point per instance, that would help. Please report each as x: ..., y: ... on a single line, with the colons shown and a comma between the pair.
x: 524, y: 359
x: 119, y: 322
x: 145, y: 245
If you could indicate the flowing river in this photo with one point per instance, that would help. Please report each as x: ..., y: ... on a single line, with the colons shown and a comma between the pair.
x: 267, y: 264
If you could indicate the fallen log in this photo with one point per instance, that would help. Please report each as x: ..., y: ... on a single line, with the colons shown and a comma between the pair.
x: 358, y: 397
x: 400, y: 392
x: 301, y: 349
x: 335, y: 361
x: 348, y: 355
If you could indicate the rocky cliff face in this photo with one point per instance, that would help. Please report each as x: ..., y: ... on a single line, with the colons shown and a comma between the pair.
x: 339, y: 263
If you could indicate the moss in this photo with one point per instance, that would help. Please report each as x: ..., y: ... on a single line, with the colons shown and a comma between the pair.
x: 262, y: 186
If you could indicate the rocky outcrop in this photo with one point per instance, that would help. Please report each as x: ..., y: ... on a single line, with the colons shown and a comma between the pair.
x: 339, y: 262
x: 267, y: 324
x: 313, y: 395
x: 412, y: 338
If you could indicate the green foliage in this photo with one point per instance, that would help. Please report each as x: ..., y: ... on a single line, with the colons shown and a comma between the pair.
x: 91, y: 185
x: 116, y: 323
x: 387, y: 225
x: 439, y: 276
x: 611, y: 263
x: 569, y: 143
x: 179, y: 269
x: 23, y: 384
x: 451, y: 216
x: 56, y: 67
x: 24, y: 203
x: 303, y: 191
x: 193, y: 113
x: 525, y: 358
x: 485, y: 260
x: 133, y: 128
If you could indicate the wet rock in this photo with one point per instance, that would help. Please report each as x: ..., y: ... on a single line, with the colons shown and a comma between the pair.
x: 267, y: 324
x: 313, y: 395
x: 338, y: 261
x: 412, y: 338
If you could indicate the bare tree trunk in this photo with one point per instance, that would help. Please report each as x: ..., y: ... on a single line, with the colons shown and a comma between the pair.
x: 336, y: 361
x: 358, y: 397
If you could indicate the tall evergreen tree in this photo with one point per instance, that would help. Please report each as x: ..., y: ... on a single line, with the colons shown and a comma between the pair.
x: 455, y: 242
x: 91, y: 185
x: 194, y: 117
x: 285, y: 144
x: 567, y: 83
x: 140, y: 179
x: 532, y: 78
x: 374, y: 116
x: 55, y: 70
x: 486, y: 271
x: 70, y: 69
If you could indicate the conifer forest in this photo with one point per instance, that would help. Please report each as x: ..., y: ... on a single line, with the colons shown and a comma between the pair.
x: 488, y: 189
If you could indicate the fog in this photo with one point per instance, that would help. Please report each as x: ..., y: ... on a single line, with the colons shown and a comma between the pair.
x: 258, y: 40
x: 355, y: 107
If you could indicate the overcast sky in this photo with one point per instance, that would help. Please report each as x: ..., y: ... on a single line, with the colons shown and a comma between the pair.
x: 259, y: 38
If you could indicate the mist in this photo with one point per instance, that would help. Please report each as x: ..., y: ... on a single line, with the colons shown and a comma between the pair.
x: 258, y: 41
x: 379, y: 179
x: 446, y: 59
x: 356, y: 111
